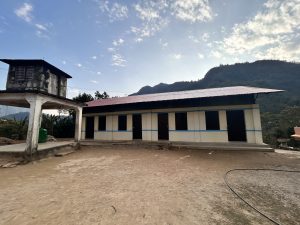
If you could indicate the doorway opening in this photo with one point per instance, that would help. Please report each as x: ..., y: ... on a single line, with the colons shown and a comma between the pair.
x: 236, y: 125
x: 137, y: 126
x: 89, y: 127
x: 163, y: 126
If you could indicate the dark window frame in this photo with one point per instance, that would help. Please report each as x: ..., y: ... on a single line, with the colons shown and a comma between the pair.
x: 181, y: 121
x: 212, y: 120
x: 20, y: 75
x: 122, y: 122
x: 101, y: 123
x: 29, y: 72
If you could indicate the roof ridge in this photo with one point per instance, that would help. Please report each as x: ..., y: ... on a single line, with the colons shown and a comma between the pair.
x: 178, y: 95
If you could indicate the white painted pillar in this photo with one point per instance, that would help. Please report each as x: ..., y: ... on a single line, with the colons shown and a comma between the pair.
x: 223, y: 124
x: 202, y: 125
x: 78, y: 124
x: 83, y: 127
x: 154, y: 127
x: 35, y: 114
x: 257, y: 125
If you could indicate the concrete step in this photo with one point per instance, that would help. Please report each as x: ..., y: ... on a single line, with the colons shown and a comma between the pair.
x: 64, y: 153
x: 230, y: 146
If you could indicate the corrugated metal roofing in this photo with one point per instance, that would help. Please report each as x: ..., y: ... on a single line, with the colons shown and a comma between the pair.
x: 167, y: 96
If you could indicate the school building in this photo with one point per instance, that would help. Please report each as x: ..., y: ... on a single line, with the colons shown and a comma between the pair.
x: 228, y: 114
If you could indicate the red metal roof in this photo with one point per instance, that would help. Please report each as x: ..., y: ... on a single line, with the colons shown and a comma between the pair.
x: 167, y: 96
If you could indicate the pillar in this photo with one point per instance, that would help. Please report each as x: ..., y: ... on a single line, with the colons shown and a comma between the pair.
x: 78, y: 124
x: 223, y: 125
x: 257, y: 125
x: 35, y: 114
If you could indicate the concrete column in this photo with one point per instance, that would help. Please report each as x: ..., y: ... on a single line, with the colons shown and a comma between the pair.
x: 109, y: 126
x: 172, y: 124
x: 249, y: 123
x: 129, y: 122
x: 83, y: 127
x: 191, y: 118
x: 35, y: 114
x: 202, y: 125
x: 223, y: 120
x: 154, y: 127
x: 223, y: 124
x: 96, y: 123
x: 78, y: 124
x: 197, y: 134
x: 257, y: 125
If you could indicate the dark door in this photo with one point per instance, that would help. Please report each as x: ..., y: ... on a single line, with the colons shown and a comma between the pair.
x: 163, y: 126
x: 89, y: 127
x: 137, y: 126
x: 236, y: 125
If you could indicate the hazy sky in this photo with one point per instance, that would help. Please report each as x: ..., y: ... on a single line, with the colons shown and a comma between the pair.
x: 120, y: 46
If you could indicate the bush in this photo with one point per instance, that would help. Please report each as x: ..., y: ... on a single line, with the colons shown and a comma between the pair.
x: 14, y: 129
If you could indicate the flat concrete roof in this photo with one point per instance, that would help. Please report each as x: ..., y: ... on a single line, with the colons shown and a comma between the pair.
x: 18, y: 99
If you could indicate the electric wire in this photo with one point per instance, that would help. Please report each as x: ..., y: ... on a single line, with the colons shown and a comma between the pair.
x: 247, y: 203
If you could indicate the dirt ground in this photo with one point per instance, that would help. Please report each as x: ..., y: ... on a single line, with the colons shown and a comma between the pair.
x: 145, y: 186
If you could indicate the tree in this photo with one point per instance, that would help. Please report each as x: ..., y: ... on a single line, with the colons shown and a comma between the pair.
x: 84, y: 97
x: 98, y: 95
x: 48, y: 122
x: 15, y: 129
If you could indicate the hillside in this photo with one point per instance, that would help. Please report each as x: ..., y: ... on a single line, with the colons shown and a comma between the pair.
x: 264, y: 73
x: 7, y: 110
x: 16, y: 116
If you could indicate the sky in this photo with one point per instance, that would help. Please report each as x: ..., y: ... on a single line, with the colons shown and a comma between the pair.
x: 120, y: 46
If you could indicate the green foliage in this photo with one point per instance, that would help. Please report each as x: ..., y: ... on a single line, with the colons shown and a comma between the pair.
x: 280, y: 125
x: 84, y: 97
x: 14, y: 129
x: 99, y: 95
x: 59, y: 127
x: 64, y: 127
x: 48, y: 123
x: 264, y: 73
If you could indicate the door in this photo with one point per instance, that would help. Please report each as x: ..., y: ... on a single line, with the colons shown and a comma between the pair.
x: 163, y: 126
x: 89, y: 127
x: 137, y: 126
x: 236, y: 125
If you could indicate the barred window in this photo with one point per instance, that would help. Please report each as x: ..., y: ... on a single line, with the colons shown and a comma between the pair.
x: 20, y: 73
x: 212, y: 120
x: 102, y: 123
x: 122, y: 122
x: 29, y: 72
x: 181, y: 121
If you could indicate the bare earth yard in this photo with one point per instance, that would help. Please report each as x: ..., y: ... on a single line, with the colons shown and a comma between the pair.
x: 144, y: 186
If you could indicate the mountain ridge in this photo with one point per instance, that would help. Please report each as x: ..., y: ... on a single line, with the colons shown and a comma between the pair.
x: 274, y: 74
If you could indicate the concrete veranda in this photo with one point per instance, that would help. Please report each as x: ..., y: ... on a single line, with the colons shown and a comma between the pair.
x: 20, y: 148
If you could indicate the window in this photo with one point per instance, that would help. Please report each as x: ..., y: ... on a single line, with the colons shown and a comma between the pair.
x: 29, y: 72
x: 102, y: 123
x: 122, y: 122
x: 20, y: 73
x: 23, y: 73
x: 212, y: 120
x: 181, y: 121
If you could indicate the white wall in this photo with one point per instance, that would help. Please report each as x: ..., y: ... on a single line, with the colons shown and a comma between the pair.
x: 196, y: 125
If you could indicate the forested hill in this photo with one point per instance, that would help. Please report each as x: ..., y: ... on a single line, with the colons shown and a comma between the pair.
x: 264, y: 73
